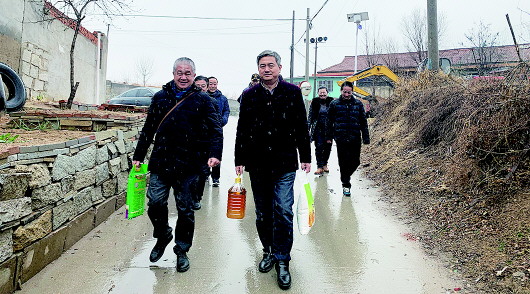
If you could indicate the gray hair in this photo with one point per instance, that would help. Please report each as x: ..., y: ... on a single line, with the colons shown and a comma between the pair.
x: 270, y: 53
x: 184, y: 60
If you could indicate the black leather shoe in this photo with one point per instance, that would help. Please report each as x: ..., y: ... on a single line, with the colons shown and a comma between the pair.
x: 196, y: 206
x: 183, y: 263
x: 266, y: 263
x: 159, y: 248
x: 283, y: 275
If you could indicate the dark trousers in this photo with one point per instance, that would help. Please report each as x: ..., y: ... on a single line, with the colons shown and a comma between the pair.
x: 274, y: 199
x: 322, y: 151
x: 348, y: 154
x: 201, y: 182
x: 216, y: 172
x: 158, y: 194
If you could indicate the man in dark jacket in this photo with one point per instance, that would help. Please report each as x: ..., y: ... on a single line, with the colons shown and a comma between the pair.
x: 317, y: 119
x: 224, y: 112
x: 347, y: 125
x: 271, y: 131
x: 188, y: 134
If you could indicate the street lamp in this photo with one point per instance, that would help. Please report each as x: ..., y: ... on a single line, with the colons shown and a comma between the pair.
x: 316, y: 41
x: 357, y: 18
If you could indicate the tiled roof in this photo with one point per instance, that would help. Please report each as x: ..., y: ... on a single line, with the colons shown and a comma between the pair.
x: 458, y: 57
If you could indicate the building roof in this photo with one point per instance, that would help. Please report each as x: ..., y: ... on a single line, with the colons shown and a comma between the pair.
x: 462, y: 57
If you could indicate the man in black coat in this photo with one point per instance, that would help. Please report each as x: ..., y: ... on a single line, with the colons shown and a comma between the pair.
x: 271, y: 131
x: 347, y: 125
x: 188, y: 134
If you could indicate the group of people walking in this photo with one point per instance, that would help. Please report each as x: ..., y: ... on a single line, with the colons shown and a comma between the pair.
x: 272, y: 143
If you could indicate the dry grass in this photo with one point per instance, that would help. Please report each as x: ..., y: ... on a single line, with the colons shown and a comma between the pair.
x: 456, y: 152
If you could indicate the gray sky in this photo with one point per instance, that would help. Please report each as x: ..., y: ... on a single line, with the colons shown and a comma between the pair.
x: 227, y: 48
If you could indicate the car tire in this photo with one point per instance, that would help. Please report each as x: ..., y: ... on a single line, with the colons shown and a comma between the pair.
x: 17, y: 92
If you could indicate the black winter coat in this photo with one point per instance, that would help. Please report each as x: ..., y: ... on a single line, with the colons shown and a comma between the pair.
x: 272, y: 129
x: 313, y: 117
x: 347, y: 121
x: 187, y: 137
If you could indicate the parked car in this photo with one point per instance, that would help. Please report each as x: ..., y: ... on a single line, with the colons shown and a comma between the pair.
x: 140, y: 96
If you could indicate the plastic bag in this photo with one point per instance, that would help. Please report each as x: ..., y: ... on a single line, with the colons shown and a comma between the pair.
x: 305, y: 210
x: 136, y: 187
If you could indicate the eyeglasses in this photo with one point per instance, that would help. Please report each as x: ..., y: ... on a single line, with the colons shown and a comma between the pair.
x: 346, y: 92
x: 187, y: 74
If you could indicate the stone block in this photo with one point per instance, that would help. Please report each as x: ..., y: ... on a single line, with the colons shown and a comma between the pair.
x: 112, y: 148
x: 52, y: 146
x: 104, y: 210
x: 75, y: 123
x: 123, y: 177
x: 62, y: 213
x: 62, y: 167
x: 26, y: 56
x: 125, y: 163
x: 29, y: 149
x: 38, y: 85
x: 6, y: 245
x: 100, y: 136
x: 120, y: 144
x: 33, y: 71
x: 79, y: 227
x: 14, y: 209
x: 102, y: 155
x: 28, y: 80
x: 83, y: 200
x: 39, y: 174
x: 71, y: 142
x: 120, y: 199
x: 84, y: 179
x: 86, y: 159
x: 108, y: 188
x: 67, y: 184
x: 115, y: 166
x: 102, y: 173
x: 97, y: 195
x: 35, y: 59
x: 8, y: 270
x: 13, y: 185
x: 41, y: 253
x: 49, y: 194
x: 35, y: 230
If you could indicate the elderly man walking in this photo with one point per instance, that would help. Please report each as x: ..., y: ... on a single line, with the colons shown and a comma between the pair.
x: 271, y: 131
x: 188, y: 135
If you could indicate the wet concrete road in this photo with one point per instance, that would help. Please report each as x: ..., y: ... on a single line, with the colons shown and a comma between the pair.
x: 356, y: 246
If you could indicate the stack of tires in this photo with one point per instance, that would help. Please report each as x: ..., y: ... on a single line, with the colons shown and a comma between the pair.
x: 12, y: 90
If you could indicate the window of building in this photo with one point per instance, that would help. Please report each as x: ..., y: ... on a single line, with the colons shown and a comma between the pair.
x: 325, y: 83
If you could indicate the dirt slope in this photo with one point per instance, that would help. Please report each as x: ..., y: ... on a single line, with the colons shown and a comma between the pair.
x: 455, y: 154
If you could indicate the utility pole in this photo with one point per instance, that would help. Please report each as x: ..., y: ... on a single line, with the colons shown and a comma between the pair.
x: 432, y: 32
x: 316, y: 41
x: 307, y: 47
x: 292, y: 54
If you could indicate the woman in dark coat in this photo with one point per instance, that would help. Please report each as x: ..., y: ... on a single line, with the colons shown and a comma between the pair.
x: 317, y: 119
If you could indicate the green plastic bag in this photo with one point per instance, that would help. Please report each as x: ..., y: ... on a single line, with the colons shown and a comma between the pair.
x: 136, y: 187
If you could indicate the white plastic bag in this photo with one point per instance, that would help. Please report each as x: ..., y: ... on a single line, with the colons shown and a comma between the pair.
x: 305, y: 210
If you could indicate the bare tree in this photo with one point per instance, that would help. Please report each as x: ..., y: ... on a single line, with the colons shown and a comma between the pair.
x: 389, y: 56
x: 144, y: 69
x: 72, y: 13
x: 415, y: 31
x: 372, y: 46
x: 483, y: 41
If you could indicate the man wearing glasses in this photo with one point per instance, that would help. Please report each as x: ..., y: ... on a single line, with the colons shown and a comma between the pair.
x: 188, y: 136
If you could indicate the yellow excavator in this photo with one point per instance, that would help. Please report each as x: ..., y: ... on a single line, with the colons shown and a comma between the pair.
x: 367, y: 99
x: 377, y: 70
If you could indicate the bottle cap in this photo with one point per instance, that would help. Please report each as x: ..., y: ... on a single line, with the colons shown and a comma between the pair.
x: 238, y: 179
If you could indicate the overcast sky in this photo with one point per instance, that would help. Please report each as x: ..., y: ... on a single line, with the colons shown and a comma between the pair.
x: 227, y: 47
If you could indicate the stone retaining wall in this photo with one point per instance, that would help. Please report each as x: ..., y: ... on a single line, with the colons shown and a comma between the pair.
x: 53, y: 195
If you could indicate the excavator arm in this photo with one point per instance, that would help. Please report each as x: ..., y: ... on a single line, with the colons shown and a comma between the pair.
x: 377, y: 70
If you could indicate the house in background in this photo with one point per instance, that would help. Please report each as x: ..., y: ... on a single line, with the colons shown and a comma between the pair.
x: 39, y: 51
x: 467, y: 62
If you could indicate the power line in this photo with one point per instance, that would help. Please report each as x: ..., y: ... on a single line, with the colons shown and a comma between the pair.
x: 201, y: 17
x: 311, y: 21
